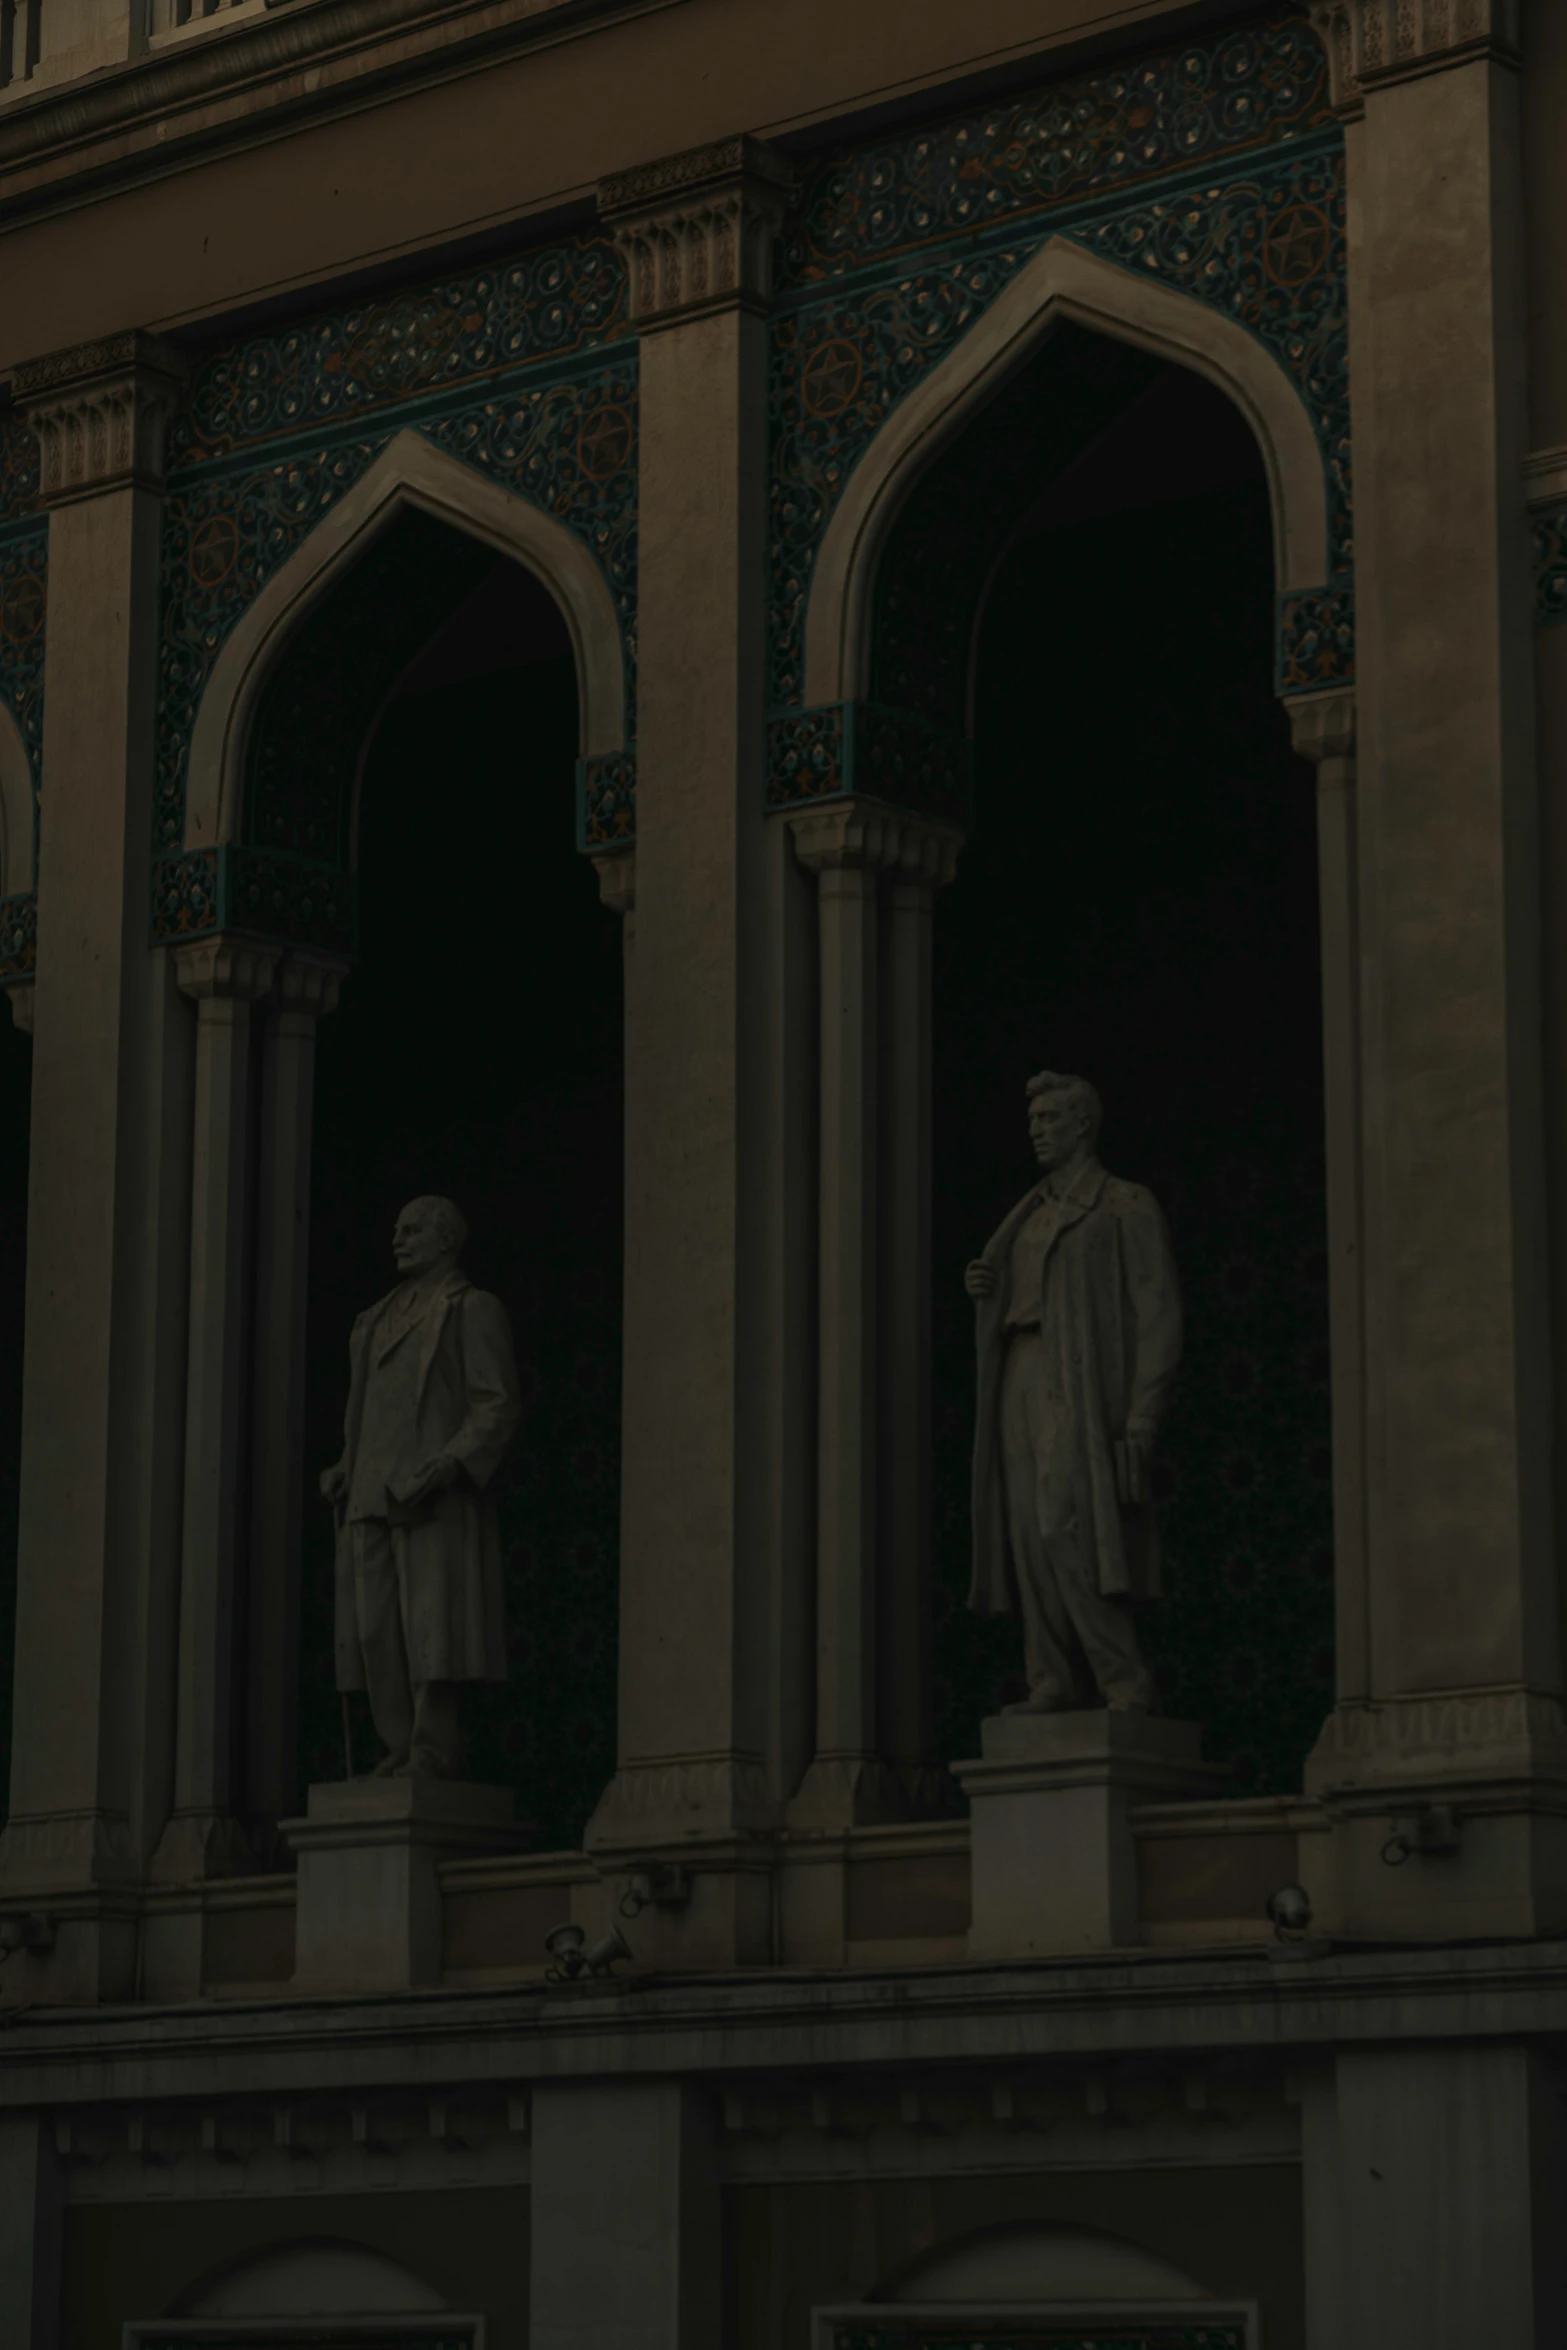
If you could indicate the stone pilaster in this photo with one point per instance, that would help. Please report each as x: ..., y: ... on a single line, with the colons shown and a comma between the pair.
x: 1447, y: 1746
x: 877, y: 870
x: 107, y: 1232
x: 703, y: 1568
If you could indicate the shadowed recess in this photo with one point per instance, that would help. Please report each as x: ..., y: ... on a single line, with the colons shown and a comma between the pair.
x: 476, y: 1053
x: 1137, y: 903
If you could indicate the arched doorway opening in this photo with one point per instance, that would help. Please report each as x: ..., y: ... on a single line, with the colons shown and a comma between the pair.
x: 1101, y: 460
x: 476, y: 1052
x: 384, y: 766
x: 1137, y: 903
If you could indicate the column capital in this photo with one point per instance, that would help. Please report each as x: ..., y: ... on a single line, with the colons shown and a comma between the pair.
x: 697, y: 229
x: 233, y: 969
x: 1322, y: 726
x: 20, y: 995
x: 1371, y: 43
x: 100, y: 412
x: 307, y: 983
x: 864, y: 835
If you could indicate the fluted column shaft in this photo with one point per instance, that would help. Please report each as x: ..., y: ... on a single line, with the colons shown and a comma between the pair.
x: 307, y: 991
x: 204, y: 1836
x: 877, y: 871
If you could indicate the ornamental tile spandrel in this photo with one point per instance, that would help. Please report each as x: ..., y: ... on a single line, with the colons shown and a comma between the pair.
x: 100, y: 413
x: 697, y: 230
x: 1372, y: 42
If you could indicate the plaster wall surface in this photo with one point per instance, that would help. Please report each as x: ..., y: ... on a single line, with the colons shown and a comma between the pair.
x: 481, y: 146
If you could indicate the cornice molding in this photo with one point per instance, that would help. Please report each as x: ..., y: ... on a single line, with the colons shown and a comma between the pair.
x: 99, y: 412
x: 1371, y: 43
x: 140, y: 111
x: 697, y: 229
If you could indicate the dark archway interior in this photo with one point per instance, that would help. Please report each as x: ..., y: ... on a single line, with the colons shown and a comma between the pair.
x: 477, y: 1052
x: 1137, y: 903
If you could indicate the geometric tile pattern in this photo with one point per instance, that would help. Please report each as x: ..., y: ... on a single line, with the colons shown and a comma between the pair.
x: 1549, y: 528
x: 868, y: 749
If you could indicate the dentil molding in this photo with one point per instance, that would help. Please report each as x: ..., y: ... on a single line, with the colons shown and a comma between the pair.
x: 697, y: 229
x: 100, y: 412
x: 1373, y: 42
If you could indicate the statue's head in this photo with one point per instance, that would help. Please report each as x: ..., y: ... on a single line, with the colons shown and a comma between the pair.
x: 428, y: 1234
x: 1063, y: 1117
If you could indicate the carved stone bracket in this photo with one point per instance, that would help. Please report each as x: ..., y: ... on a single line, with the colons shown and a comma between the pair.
x: 100, y: 412
x: 1373, y: 42
x: 697, y: 229
x: 1322, y: 726
x: 863, y: 833
x: 616, y: 871
x: 307, y: 984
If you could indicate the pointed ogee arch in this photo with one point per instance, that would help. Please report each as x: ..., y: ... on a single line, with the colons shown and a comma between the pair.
x: 1062, y: 281
x: 410, y: 474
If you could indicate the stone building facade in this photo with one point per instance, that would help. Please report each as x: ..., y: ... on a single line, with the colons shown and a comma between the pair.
x: 718, y: 358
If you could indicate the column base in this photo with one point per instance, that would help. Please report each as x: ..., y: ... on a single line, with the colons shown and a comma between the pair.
x: 201, y: 1844
x: 1050, y: 1800
x: 78, y: 1870
x: 649, y: 1805
x: 369, y: 1901
x: 1448, y: 1819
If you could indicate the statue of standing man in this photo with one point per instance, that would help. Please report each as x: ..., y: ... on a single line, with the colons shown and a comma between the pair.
x: 1079, y: 1334
x: 433, y: 1403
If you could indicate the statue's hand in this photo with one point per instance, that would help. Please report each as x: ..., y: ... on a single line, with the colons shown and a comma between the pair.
x: 1133, y: 1460
x: 334, y: 1482
x: 980, y: 1279
x: 431, y: 1478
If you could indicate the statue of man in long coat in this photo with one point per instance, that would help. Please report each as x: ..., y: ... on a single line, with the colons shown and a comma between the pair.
x: 433, y: 1403
x: 1079, y: 1334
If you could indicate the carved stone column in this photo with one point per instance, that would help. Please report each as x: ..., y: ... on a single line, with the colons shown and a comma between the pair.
x: 1323, y: 726
x: 926, y: 863
x: 1461, y: 1700
x: 873, y: 1306
x: 204, y: 1837
x: 703, y: 1415
x: 307, y: 991
x: 104, y: 1368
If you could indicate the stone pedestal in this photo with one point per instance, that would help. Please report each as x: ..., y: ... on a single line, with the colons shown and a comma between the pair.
x: 1050, y: 1820
x: 369, y: 1915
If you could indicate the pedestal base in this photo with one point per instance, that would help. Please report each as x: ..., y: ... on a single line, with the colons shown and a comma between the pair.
x: 369, y: 1913
x: 1050, y: 1800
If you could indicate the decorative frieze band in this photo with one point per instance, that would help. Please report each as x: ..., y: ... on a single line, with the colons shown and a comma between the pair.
x: 1372, y: 42
x: 697, y: 229
x: 100, y: 413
